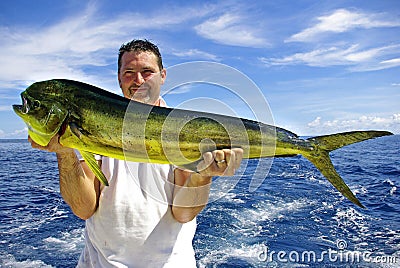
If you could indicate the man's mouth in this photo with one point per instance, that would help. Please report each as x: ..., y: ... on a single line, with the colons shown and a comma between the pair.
x: 140, y: 90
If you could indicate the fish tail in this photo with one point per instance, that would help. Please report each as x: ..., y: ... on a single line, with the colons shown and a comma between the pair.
x: 319, y: 156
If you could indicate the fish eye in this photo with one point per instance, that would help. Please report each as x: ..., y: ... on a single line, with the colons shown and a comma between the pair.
x: 35, y: 104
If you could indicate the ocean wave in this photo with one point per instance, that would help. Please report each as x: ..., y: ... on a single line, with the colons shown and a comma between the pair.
x: 70, y: 241
x: 241, y: 256
x: 295, y: 208
x: 9, y: 261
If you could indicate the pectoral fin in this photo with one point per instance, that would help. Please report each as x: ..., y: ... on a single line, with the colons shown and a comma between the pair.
x: 92, y: 163
x: 75, y: 129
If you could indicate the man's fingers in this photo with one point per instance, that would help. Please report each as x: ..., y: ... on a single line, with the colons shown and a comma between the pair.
x: 219, y: 156
x: 34, y: 144
x: 238, y: 157
x: 52, y: 146
x: 227, y: 156
x: 208, y: 159
x: 221, y: 162
x: 231, y: 159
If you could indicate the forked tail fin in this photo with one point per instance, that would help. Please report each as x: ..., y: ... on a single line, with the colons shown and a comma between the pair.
x: 325, y: 144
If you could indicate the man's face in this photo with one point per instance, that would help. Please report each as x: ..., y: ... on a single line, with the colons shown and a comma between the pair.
x: 140, y: 78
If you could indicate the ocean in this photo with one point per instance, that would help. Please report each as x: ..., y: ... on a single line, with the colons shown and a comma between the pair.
x: 295, y: 218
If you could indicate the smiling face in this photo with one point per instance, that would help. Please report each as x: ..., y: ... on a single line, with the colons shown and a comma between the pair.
x: 140, y: 77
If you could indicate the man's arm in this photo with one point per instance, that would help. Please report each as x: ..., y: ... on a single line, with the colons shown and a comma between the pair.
x: 192, y: 189
x: 78, y: 185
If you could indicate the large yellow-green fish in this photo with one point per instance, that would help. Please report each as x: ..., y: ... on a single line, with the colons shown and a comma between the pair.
x: 95, y: 121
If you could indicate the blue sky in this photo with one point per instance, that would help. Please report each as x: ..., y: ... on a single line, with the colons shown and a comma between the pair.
x: 321, y: 66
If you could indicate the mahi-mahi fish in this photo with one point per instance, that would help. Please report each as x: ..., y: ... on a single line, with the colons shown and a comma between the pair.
x: 96, y: 121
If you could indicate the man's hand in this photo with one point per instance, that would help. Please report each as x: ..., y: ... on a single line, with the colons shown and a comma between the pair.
x: 53, y: 146
x: 192, y: 189
x: 220, y: 162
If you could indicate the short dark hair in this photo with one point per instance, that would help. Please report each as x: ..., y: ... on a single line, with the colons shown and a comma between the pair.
x: 139, y: 45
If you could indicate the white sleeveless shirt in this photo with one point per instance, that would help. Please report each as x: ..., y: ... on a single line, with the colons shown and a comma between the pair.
x: 133, y: 225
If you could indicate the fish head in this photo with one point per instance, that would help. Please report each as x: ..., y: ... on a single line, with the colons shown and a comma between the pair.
x: 42, y: 111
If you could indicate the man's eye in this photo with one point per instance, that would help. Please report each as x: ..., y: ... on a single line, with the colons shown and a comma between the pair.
x: 147, y: 72
x: 128, y: 73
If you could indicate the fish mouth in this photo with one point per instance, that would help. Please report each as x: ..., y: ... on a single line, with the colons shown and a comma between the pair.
x: 17, y: 108
x: 27, y: 104
x: 24, y: 108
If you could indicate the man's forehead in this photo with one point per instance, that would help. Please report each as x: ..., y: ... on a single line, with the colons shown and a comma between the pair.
x: 143, y: 55
x: 140, y: 59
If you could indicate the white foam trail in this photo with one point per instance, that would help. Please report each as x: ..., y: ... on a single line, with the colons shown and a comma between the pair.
x: 9, y: 261
x: 247, y: 254
x: 68, y: 242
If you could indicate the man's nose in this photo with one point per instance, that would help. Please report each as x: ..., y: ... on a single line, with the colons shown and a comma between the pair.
x: 138, y: 78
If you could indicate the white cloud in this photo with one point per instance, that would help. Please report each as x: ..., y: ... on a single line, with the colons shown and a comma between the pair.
x: 362, y: 60
x: 315, y: 123
x: 319, y: 57
x: 342, y: 20
x: 20, y: 132
x: 196, y: 54
x: 391, y: 123
x: 358, y: 53
x: 68, y: 48
x: 5, y: 108
x: 391, y: 62
x: 377, y: 65
x: 230, y: 29
x: 16, y: 134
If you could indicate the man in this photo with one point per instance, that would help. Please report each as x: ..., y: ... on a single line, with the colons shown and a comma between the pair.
x: 146, y: 216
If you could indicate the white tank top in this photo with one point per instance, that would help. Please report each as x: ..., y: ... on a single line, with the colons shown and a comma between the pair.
x: 133, y: 225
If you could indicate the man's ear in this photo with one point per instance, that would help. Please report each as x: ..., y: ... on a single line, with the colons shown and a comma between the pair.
x: 119, y: 80
x: 163, y: 76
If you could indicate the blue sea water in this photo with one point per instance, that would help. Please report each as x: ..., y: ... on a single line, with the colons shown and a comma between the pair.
x: 294, y: 219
